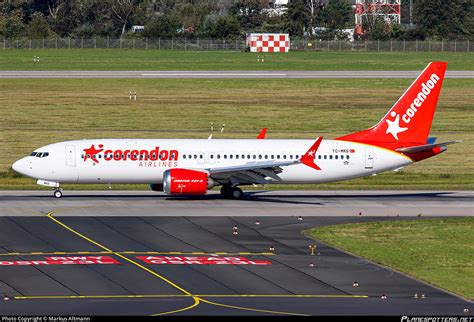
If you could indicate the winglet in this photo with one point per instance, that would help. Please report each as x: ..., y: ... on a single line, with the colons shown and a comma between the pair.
x: 308, y: 157
x: 261, y: 136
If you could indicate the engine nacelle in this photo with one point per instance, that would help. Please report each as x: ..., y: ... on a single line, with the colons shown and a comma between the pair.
x: 156, y: 186
x: 186, y: 182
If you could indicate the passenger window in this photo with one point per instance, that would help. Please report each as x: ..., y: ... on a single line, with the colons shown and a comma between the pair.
x: 254, y: 156
x: 319, y: 157
x: 330, y: 157
x: 195, y: 156
x: 225, y: 156
x: 230, y: 156
x: 273, y: 157
x: 212, y: 156
x: 236, y: 156
x: 259, y: 156
x: 266, y: 156
x: 325, y: 157
x: 336, y: 157
x: 218, y: 156
x: 200, y: 156
x: 284, y: 156
x: 347, y: 157
x: 248, y: 156
x: 278, y: 156
x: 184, y: 156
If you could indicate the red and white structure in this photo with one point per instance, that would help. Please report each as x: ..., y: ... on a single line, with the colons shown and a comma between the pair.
x: 389, y: 10
x: 268, y: 43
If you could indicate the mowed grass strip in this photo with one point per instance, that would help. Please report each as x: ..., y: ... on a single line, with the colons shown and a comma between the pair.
x: 36, y: 112
x: 139, y: 59
x: 437, y: 251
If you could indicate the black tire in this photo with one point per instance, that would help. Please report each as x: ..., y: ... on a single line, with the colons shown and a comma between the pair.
x: 237, y: 193
x: 58, y: 194
x: 226, y: 191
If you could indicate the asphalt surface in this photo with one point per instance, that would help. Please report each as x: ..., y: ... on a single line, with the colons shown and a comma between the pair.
x: 225, y: 74
x: 255, y: 203
x: 287, y: 285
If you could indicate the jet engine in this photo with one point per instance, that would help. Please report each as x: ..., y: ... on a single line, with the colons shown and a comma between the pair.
x: 186, y: 182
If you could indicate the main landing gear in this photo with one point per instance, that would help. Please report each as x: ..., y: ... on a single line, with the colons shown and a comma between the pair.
x: 58, y: 193
x: 230, y: 192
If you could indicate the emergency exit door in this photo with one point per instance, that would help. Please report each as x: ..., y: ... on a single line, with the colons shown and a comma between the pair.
x: 71, y: 155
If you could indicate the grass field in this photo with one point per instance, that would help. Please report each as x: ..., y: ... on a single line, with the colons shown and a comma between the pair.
x: 129, y: 59
x: 36, y: 112
x: 438, y: 251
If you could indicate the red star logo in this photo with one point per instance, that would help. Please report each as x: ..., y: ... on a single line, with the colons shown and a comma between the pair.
x: 92, y: 151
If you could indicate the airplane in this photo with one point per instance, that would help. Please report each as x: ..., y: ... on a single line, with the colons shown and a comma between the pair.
x: 193, y: 166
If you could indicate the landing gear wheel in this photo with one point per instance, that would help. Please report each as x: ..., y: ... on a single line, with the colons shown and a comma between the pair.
x: 58, y: 194
x: 226, y: 191
x: 237, y: 193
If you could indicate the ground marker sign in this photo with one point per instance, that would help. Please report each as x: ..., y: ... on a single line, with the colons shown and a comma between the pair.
x: 200, y: 260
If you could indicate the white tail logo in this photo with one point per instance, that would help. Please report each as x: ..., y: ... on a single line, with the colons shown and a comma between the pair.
x: 394, y: 126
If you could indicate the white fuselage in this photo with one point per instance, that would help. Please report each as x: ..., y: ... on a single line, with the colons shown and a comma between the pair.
x: 135, y: 160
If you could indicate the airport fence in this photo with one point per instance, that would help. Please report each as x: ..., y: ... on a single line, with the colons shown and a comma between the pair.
x: 208, y: 44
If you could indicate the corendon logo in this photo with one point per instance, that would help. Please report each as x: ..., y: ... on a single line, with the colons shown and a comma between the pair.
x: 134, y: 155
x: 393, y: 127
x: 92, y: 152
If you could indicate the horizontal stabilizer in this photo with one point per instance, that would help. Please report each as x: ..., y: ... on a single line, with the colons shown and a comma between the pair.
x: 426, y: 147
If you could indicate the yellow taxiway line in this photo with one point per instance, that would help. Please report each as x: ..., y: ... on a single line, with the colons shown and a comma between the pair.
x: 197, y: 298
x: 72, y: 297
x: 50, y: 216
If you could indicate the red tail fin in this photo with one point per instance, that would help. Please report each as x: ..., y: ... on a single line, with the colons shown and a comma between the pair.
x: 409, y: 121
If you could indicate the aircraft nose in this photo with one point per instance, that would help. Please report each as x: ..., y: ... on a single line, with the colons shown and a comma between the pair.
x: 20, y: 166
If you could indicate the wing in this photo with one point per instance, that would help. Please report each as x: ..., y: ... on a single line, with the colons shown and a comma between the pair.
x: 261, y: 172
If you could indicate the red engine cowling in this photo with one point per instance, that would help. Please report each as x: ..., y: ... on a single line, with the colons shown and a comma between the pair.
x: 186, y: 182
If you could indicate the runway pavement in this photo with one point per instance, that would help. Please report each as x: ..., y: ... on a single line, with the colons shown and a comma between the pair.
x: 255, y: 203
x: 280, y: 281
x: 143, y: 253
x: 225, y: 74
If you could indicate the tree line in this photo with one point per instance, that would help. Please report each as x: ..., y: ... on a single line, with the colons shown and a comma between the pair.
x: 323, y: 19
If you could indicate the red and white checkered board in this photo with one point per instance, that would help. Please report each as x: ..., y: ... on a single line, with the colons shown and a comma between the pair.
x: 269, y: 43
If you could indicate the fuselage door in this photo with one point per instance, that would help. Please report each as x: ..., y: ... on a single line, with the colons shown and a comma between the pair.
x: 369, y: 158
x: 71, y: 155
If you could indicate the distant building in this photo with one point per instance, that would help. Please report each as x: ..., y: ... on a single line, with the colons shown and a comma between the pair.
x: 137, y: 29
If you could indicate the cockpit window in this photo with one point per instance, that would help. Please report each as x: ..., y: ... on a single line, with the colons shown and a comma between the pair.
x: 39, y: 154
